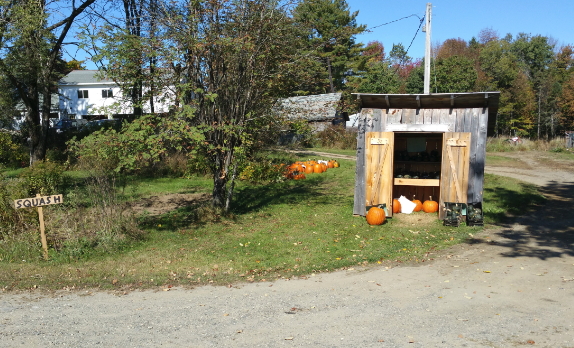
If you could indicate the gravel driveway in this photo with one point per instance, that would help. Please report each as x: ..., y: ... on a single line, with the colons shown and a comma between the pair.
x: 513, y: 287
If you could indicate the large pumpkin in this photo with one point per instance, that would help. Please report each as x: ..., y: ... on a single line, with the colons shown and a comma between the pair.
x: 376, y: 216
x: 396, y: 206
x: 418, y: 205
x: 317, y: 168
x: 430, y: 206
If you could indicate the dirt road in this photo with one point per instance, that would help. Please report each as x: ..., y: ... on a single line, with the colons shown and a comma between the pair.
x: 513, y: 287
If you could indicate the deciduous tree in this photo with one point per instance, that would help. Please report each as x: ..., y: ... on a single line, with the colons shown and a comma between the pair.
x: 32, y: 35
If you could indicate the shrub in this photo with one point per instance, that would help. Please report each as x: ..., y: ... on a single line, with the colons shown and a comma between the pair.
x: 44, y: 178
x: 100, y: 150
x: 13, y: 221
x: 262, y: 172
x: 12, y: 154
x: 337, y: 137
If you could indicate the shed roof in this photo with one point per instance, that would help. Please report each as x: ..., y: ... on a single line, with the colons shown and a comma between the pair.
x: 431, y: 101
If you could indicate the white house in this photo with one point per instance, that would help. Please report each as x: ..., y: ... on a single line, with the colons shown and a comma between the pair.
x: 84, y: 95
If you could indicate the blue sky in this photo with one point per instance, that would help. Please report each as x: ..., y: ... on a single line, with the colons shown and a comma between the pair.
x: 459, y: 19
x: 463, y: 19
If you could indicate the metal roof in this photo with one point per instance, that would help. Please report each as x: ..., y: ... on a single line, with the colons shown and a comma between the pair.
x: 431, y: 101
x: 318, y: 107
x: 81, y: 77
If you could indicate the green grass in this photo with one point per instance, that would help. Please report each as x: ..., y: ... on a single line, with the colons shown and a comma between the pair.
x: 12, y: 173
x: 497, y: 161
x: 275, y: 231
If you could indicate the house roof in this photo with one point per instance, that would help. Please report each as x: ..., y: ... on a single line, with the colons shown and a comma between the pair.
x: 318, y: 107
x: 84, y: 77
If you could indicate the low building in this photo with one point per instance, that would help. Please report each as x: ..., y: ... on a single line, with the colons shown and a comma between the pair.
x: 321, y: 110
x: 83, y: 94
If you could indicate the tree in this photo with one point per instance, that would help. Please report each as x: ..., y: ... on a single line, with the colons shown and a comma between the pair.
x: 330, y: 29
x: 126, y: 50
x: 455, y: 74
x: 31, y: 40
x: 414, y: 83
x: 566, y: 104
x: 231, y: 60
x: 452, y: 47
x: 377, y: 76
x: 375, y: 51
x: 564, y: 71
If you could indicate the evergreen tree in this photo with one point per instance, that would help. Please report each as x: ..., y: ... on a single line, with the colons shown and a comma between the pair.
x: 330, y: 29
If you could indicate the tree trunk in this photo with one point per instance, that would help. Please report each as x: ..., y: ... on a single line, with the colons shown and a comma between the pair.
x: 219, y: 191
x: 231, y: 188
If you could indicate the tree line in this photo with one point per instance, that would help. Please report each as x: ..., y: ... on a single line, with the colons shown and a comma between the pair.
x: 534, y: 76
x: 225, y: 63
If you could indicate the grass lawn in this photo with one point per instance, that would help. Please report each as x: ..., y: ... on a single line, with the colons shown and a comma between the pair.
x: 279, y: 230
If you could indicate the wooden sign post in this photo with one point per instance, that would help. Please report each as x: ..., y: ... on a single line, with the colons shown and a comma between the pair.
x: 39, y: 202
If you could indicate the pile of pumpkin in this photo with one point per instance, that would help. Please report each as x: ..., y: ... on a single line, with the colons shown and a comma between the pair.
x: 376, y: 215
x: 298, y: 169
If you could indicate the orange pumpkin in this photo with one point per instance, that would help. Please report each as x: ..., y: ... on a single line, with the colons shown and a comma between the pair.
x: 376, y: 216
x: 299, y: 176
x: 430, y: 206
x: 295, y: 167
x: 324, y: 166
x: 330, y: 164
x: 317, y: 168
x: 396, y: 206
x: 418, y: 205
x: 308, y: 169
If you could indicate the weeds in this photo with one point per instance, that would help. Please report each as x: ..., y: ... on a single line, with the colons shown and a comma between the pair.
x: 92, y: 220
x: 336, y: 137
x: 503, y: 145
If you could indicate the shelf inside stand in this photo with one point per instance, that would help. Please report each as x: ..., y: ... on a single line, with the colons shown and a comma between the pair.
x: 417, y: 182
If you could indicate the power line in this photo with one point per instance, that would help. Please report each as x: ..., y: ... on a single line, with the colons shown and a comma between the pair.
x: 396, y: 20
x: 417, y: 32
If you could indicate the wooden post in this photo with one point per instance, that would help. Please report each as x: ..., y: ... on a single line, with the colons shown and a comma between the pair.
x: 42, y: 231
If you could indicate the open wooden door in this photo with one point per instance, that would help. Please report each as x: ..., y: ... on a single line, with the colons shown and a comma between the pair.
x: 454, y: 169
x: 379, y: 148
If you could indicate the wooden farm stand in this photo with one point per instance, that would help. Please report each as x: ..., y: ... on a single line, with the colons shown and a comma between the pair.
x: 398, y: 131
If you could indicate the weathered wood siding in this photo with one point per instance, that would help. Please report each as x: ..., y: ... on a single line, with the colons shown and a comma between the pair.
x: 468, y: 120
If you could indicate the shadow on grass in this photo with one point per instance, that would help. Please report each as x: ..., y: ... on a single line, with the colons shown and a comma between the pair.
x: 547, y: 231
x: 246, y: 200
x: 253, y: 198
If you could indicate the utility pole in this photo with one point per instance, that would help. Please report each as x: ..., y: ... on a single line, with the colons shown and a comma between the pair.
x: 427, y: 29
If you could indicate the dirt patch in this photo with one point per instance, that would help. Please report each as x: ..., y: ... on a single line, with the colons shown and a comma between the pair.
x: 531, y: 160
x: 157, y: 205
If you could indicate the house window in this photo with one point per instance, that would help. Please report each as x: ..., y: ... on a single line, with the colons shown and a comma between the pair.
x: 107, y: 93
x: 82, y: 93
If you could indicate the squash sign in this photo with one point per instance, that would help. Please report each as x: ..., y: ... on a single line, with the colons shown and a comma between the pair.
x: 37, y: 201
